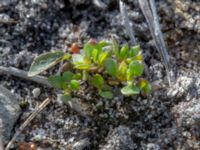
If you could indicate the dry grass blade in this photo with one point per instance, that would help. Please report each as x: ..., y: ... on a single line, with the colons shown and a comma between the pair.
x: 28, y: 120
x: 126, y: 21
x: 149, y: 10
x: 158, y: 31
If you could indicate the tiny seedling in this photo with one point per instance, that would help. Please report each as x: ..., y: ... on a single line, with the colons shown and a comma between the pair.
x: 102, y: 65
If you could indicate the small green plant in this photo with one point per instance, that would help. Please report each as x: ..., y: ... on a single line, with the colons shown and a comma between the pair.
x: 101, y: 64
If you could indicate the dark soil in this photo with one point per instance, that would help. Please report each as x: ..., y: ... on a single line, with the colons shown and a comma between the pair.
x: 32, y: 27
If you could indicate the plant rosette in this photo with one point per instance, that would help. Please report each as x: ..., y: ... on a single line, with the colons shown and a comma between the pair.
x: 101, y: 64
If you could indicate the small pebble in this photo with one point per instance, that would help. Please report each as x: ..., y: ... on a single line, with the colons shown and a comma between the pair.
x: 99, y: 104
x: 36, y: 92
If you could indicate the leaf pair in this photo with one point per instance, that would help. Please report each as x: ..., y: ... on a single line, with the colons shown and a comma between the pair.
x: 130, y: 89
x: 122, y: 71
x: 90, y: 47
x: 134, y: 51
x: 125, y: 52
x: 135, y: 69
x: 120, y: 54
x: 67, y: 81
x: 99, y: 57
x: 81, y: 62
x: 98, y: 82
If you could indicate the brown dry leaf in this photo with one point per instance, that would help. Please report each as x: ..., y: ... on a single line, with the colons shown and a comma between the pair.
x: 27, y: 146
x: 74, y: 48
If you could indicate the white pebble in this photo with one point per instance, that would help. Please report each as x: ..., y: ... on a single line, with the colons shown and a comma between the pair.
x: 36, y: 92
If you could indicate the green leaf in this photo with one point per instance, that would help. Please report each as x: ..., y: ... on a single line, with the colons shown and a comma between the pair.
x: 44, y: 62
x: 142, y: 83
x: 97, y: 51
x: 115, y: 47
x: 106, y: 94
x: 138, y: 56
x: 102, y: 44
x: 83, y: 66
x: 85, y: 75
x: 75, y: 85
x: 77, y: 76
x: 68, y: 76
x: 122, y: 71
x: 134, y: 51
x: 95, y: 54
x: 97, y: 81
x: 80, y: 62
x: 77, y: 59
x: 130, y: 90
x: 106, y: 87
x: 66, y: 57
x: 145, y: 86
x: 123, y: 52
x: 129, y: 75
x: 88, y: 48
x: 136, y: 68
x: 123, y: 68
x: 111, y: 66
x: 57, y: 81
x: 102, y: 57
x: 147, y: 89
x: 66, y: 97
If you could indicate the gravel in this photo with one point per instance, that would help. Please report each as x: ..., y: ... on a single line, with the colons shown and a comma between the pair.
x: 166, y: 119
x: 81, y: 144
x: 7, y: 2
x: 119, y: 139
x: 152, y: 146
x: 186, y: 86
x: 190, y: 116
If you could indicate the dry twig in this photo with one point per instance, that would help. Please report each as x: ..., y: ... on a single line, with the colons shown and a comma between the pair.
x: 8, y: 22
x: 23, y: 74
x: 28, y: 120
x: 38, y: 79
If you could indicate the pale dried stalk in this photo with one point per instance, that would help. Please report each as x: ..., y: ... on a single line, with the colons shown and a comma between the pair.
x: 126, y: 22
x: 149, y: 10
x: 23, y: 74
x: 28, y: 120
x: 8, y: 22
